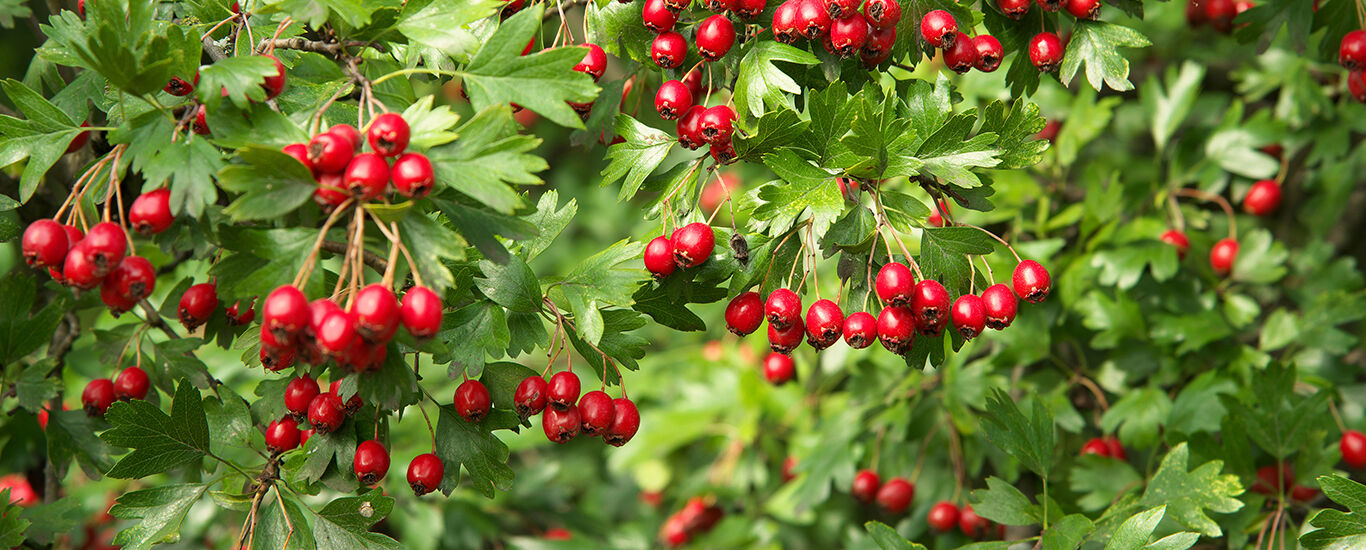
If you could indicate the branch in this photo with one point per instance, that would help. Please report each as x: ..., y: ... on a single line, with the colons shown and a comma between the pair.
x: 563, y: 5
x: 211, y: 48
x: 66, y: 333
x: 373, y: 260
x: 154, y: 319
x: 334, y: 49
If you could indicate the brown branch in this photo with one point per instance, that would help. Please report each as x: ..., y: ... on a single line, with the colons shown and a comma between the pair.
x: 334, y: 49
x: 215, y: 53
x: 154, y: 319
x: 375, y: 261
x: 66, y: 333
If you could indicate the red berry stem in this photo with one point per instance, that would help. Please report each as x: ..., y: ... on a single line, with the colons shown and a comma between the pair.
x: 1337, y: 417
x: 773, y: 256
x: 311, y: 261
x: 882, y: 222
x: 562, y: 320
x: 1211, y: 197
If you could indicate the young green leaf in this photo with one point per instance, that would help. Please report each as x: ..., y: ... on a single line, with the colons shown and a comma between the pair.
x: 637, y: 158
x: 761, y: 84
x: 541, y: 81
x: 160, y: 509
x: 1187, y: 494
x: 1097, y: 44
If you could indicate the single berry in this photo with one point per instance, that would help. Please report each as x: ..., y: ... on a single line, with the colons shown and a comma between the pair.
x: 179, y: 87
x: 472, y: 400
x: 668, y: 50
x: 330, y: 192
x: 132, y: 383
x: 563, y: 391
x: 1356, y: 85
x: 882, y: 14
x: 745, y: 313
x: 659, y: 257
x: 895, y: 496
x: 421, y: 312
x: 197, y: 304
x: 1220, y: 14
x: 657, y: 17
x: 930, y: 305
x: 1045, y: 51
x: 1050, y: 5
x: 937, y: 211
x: 45, y: 244
x: 348, y: 133
x: 330, y: 153
x: 848, y: 35
x: 1095, y: 446
x: 366, y: 176
x: 1352, y: 52
x: 425, y: 473
x: 150, y: 213
x: 894, y: 284
x: 116, y: 303
x: 972, y: 525
x: 377, y: 313
x: 748, y: 9
x: 787, y: 339
x: 106, y: 243
x: 896, y: 329
x: 337, y: 334
x: 1195, y: 14
x: 722, y: 152
x: 1262, y: 198
x: 388, y: 134
x: 785, y: 22
x: 625, y: 422
x: 201, y: 122
x: 596, y: 413
x: 1031, y: 281
x: 1013, y: 9
x: 943, y: 516
x: 783, y: 309
x: 779, y: 369
x: 715, y: 36
x: 594, y: 61
x: 969, y: 315
x: 530, y: 396
x: 939, y: 29
x: 372, y: 462
x: 282, y: 435
x: 1177, y: 239
x: 274, y: 84
x: 97, y: 396
x: 79, y: 140
x: 960, y: 56
x: 839, y: 9
x: 1084, y: 9
x: 285, y: 312
x: 413, y: 175
x: 717, y: 124
x: 1269, y: 483
x: 878, y: 45
x: 693, y: 244
x: 561, y: 425
x: 78, y: 269
x: 1223, y: 254
x: 866, y: 484
x: 1000, y: 305
x: 1116, y: 448
x: 1353, y: 448
x: 989, y: 53
x: 672, y: 99
x: 824, y: 324
x: 352, y: 404
x: 689, y: 127
x: 1301, y: 493
x: 860, y: 330
x: 325, y: 412
x: 788, y: 471
x: 299, y: 393
x: 276, y: 360
x: 813, y: 21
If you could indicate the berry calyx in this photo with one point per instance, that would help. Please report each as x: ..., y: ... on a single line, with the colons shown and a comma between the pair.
x: 1050, y: 5
x: 715, y: 36
x: 106, y: 244
x: 1262, y: 198
x: 693, y: 244
x: 132, y: 383
x: 779, y: 369
x: 943, y: 516
x: 1352, y: 51
x: 960, y: 57
x: 596, y: 413
x: 150, y: 213
x: 1000, y: 306
x: 1031, y: 281
x: 849, y: 34
x: 745, y: 313
x: 563, y: 391
x: 673, y: 99
x: 97, y: 396
x: 45, y: 244
x: 413, y: 175
x: 330, y: 153
x: 425, y: 473
x: 285, y: 312
x: 717, y: 124
x: 197, y: 304
x: 748, y: 9
x: 561, y: 426
x: 377, y: 313
x: 930, y: 305
x: 276, y: 360
x: 388, y: 134
x: 722, y: 152
x: 282, y: 435
x: 894, y: 284
x: 783, y: 309
x: 939, y: 29
x: 860, y: 329
x: 882, y: 14
x: 371, y: 463
x: 1222, y: 256
x: 989, y: 53
x: 1045, y: 51
x: 299, y: 393
x: 839, y: 9
x: 866, y: 485
x: 785, y: 22
x: 530, y: 396
x: 1014, y: 9
x: 1177, y: 239
x: 668, y: 50
x: 1084, y: 9
x: 969, y: 315
x: 785, y: 340
x: 178, y: 87
x: 472, y: 400
x: 824, y: 324
x: 813, y: 21
x: 896, y: 329
x: 421, y: 312
x: 659, y: 257
x: 657, y: 16
x: 325, y: 412
x: 1353, y: 448
x: 594, y: 61
x: 895, y: 496
x: 1095, y: 446
x: 689, y: 127
x: 625, y: 422
x: 365, y: 176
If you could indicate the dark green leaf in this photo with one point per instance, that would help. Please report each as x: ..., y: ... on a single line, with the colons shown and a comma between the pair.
x: 159, y: 442
x: 541, y: 81
x: 483, y: 456
x: 345, y: 523
x: 160, y: 509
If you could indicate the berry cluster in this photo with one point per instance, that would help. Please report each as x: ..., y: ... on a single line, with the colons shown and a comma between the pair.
x: 344, y: 173
x: 695, y: 518
x: 1107, y: 446
x: 961, y: 52
x: 715, y: 35
x: 567, y: 414
x: 1352, y: 55
x: 1262, y: 200
x: 842, y: 29
x: 689, y: 246
x: 892, y: 497
x: 325, y: 412
x: 944, y: 516
x: 1218, y: 14
x: 100, y: 393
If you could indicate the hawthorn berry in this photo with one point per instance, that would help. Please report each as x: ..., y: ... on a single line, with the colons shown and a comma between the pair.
x: 748, y: 9
x: 657, y: 17
x: 960, y: 56
x: 943, y: 516
x: 197, y: 304
x: 860, y: 329
x: 366, y: 176
x: 1222, y: 256
x: 717, y: 124
x: 669, y: 49
x: 894, y: 284
x: 511, y: 7
x: 824, y: 324
x: 425, y: 473
x: 377, y: 313
x: 1045, y: 51
x: 413, y: 175
x: 421, y: 312
x: 1000, y: 305
x: 352, y: 404
x: 878, y: 45
x: 715, y: 36
x: 625, y: 422
x: 745, y: 313
x: 133, y: 279
x: 330, y: 192
x: 117, y: 304
x: 348, y: 133
x: 132, y: 383
x: 179, y: 87
x: 371, y: 463
x: 1084, y: 9
x: 788, y: 470
x: 939, y: 29
x: 969, y: 315
x: 882, y: 14
x: 1262, y: 198
x: 659, y: 257
x: 693, y: 244
x: 596, y: 413
x: 1031, y: 281
x: 78, y: 269
x: 848, y: 35
x: 1050, y: 5
x: 895, y: 496
x: 1195, y: 14
x: 896, y: 329
x: 1095, y: 446
x: 388, y: 134
x: 594, y: 61
x: 779, y: 369
x: 106, y: 243
x: 866, y: 485
x: 1013, y: 9
x: 563, y: 391
x: 813, y: 21
x: 97, y: 396
x: 337, y: 334
x: 718, y: 6
x: 930, y: 305
x: 1353, y: 448
x: 1356, y: 85
x: 472, y: 400
x: 672, y: 99
x: 150, y: 213
x: 530, y: 396
x: 330, y: 153
x: 989, y: 53
x: 45, y: 244
x: 282, y: 435
x: 840, y: 9
x: 1269, y: 483
x: 689, y: 127
x: 785, y: 22
x: 304, y: 435
x: 299, y: 393
x: 561, y: 426
x: 201, y: 122
x: 786, y: 339
x: 325, y: 412
x: 1115, y: 447
x: 278, y: 359
x: 286, y: 312
x: 1177, y: 239
x: 1220, y: 14
x: 723, y: 152
x: 1352, y: 51
x: 783, y: 309
x: 972, y: 525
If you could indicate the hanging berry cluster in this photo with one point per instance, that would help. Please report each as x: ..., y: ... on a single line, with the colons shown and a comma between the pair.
x: 961, y: 52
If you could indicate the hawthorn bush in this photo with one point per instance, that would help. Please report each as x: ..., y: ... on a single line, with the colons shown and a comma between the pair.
x: 817, y: 273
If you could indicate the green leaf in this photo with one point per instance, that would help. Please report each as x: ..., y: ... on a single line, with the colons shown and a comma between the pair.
x: 1068, y: 533
x: 881, y: 144
x: 616, y: 27
x: 325, y: 448
x: 1139, y: 416
x: 1100, y: 481
x: 1002, y: 503
x: 1187, y: 494
x: 42, y: 138
x: 463, y: 443
x: 34, y: 387
x: 1015, y: 127
x: 1136, y: 532
x: 430, y: 126
x: 160, y: 509
x: 808, y: 191
x: 512, y: 286
x: 22, y: 333
x: 949, y: 154
x: 431, y: 243
x: 241, y: 76
x: 1169, y: 105
x: 887, y: 538
x: 12, y: 528
x: 774, y: 129
x: 550, y: 219
x: 1097, y: 44
x: 71, y: 434
x: 482, y: 228
x: 637, y: 158
x: 488, y: 159
x: 229, y: 420
x: 345, y: 522
x: 943, y: 255
x: 355, y: 13
x: 443, y: 25
x: 760, y: 84
x: 609, y: 277
x: 159, y: 442
x: 9, y: 10
x: 617, y: 345
x: 541, y: 81
x: 1029, y: 439
x: 189, y: 163
x: 502, y: 379
x: 1280, y: 329
x: 1338, y: 530
x: 474, y: 332
x: 271, y: 182
x: 831, y: 113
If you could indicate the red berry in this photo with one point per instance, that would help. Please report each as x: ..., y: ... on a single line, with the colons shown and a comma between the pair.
x: 1353, y: 448
x: 1031, y: 281
x: 421, y: 312
x: 372, y: 462
x: 330, y: 193
x: 151, y: 212
x: 1050, y: 5
x: 1000, y: 306
x: 20, y: 491
x: 1116, y: 448
x: 366, y: 176
x: 377, y: 313
x: 839, y: 9
x: 596, y: 413
x: 723, y: 152
x: 866, y: 484
x: 1262, y: 198
x: 689, y: 127
x: 413, y: 175
x: 1352, y: 52
x: 330, y: 153
x: 1177, y: 239
x: 1223, y: 254
x: 1356, y: 85
x: 80, y: 140
x: 1269, y: 483
x: 425, y: 473
x: 337, y: 334
x: 106, y: 245
x: 672, y: 99
x: 939, y: 29
x: 786, y: 339
x: 1013, y: 9
x: 116, y: 303
x: 132, y: 383
x: 201, y: 123
x: 745, y: 313
x: 45, y: 244
x: 659, y: 257
x: 197, y: 304
x: 348, y: 133
x: 715, y: 36
x: 783, y: 309
x: 325, y: 412
x: 530, y: 396
x: 785, y: 22
x: 78, y: 269
x: 97, y: 396
x: 625, y: 422
x: 304, y: 435
x: 824, y: 324
x: 178, y: 87
x: 960, y: 56
x: 943, y: 516
x: 388, y: 134
x: 677, y: 5
x: 594, y: 61
x: 657, y: 16
x: 1045, y: 51
x: 882, y: 14
x: 299, y: 393
x: 1303, y: 494
x: 930, y: 305
x: 1095, y: 446
x: 1220, y: 14
x: 275, y: 83
x: 878, y: 45
x: 894, y: 284
x: 276, y: 360
x: 237, y: 316
x: 789, y: 465
x: 779, y: 369
x: 860, y: 330
x: 285, y: 312
x: 561, y: 425
x: 989, y: 53
x: 693, y: 244
x: 352, y: 404
x: 849, y: 34
x: 1084, y: 9
x: 563, y: 391
x: 969, y: 315
x: 669, y: 49
x: 300, y: 153
x: 748, y: 9
x: 973, y: 525
x: 896, y: 329
x: 282, y: 435
x: 895, y: 496
x: 717, y: 124
x: 472, y: 400
x: 813, y: 21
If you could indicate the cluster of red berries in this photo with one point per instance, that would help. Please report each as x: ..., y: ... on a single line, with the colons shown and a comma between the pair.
x: 842, y: 29
x: 1107, y: 446
x: 1352, y: 55
x: 1046, y: 49
x: 893, y: 497
x: 100, y: 393
x: 911, y: 307
x: 695, y: 518
x: 594, y: 64
x: 1262, y: 199
x: 567, y: 414
x: 698, y: 125
x: 1218, y: 14
x: 961, y: 52
x: 1277, y: 481
x: 944, y: 516
x: 274, y: 85
x: 689, y: 246
x: 343, y: 172
x: 715, y: 35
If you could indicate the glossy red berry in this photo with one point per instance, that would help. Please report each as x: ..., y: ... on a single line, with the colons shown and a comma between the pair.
x: 896, y: 329
x: 625, y: 422
x: 989, y: 53
x: 943, y: 516
x: 785, y: 22
x: 285, y: 312
x: 1013, y: 9
x: 421, y: 312
x: 413, y: 175
x: 669, y: 49
x: 813, y: 21
x: 371, y: 463
x: 348, y: 133
x: 745, y: 313
x: 106, y: 244
x: 45, y: 244
x: 325, y: 412
x: 693, y: 244
x: 594, y: 61
x: 282, y: 435
x: 848, y: 35
x: 860, y: 330
x: 388, y: 134
x: 1222, y: 256
x: 1195, y: 14
x: 197, y: 304
x: 722, y: 152
x: 882, y: 14
x: 960, y: 56
x: 425, y: 473
x: 1115, y: 447
x: 894, y: 284
x: 657, y: 16
x: 472, y: 400
x: 561, y: 425
x: 779, y: 369
x: 1220, y: 14
x: 1353, y: 448
x: 299, y: 393
x: 1000, y: 305
x: 787, y: 339
x: 78, y: 269
x: 689, y: 127
x: 563, y: 391
x: 969, y: 315
x: 895, y: 496
x: 717, y: 124
x: 133, y: 279
x: 97, y: 396
x: 201, y: 122
x: 1031, y: 281
x: 939, y: 29
x: 178, y: 87
x: 274, y: 84
x: 783, y: 309
x: 715, y: 36
x: 824, y: 324
x: 1050, y: 5
x: 337, y: 334
x: 132, y: 383
x: 596, y: 413
x: 117, y: 304
x: 330, y: 192
x: 150, y: 213
x: 673, y: 99
x: 1045, y: 51
x: 866, y: 485
x: 1084, y: 9
x: 1095, y: 446
x: 366, y: 176
x: 930, y: 305
x: 1262, y: 198
x: 377, y: 313
x: 1178, y: 240
x: 748, y: 9
x: 839, y: 9
x: 330, y: 153
x: 1352, y: 51
x: 659, y: 257
x: 530, y: 396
